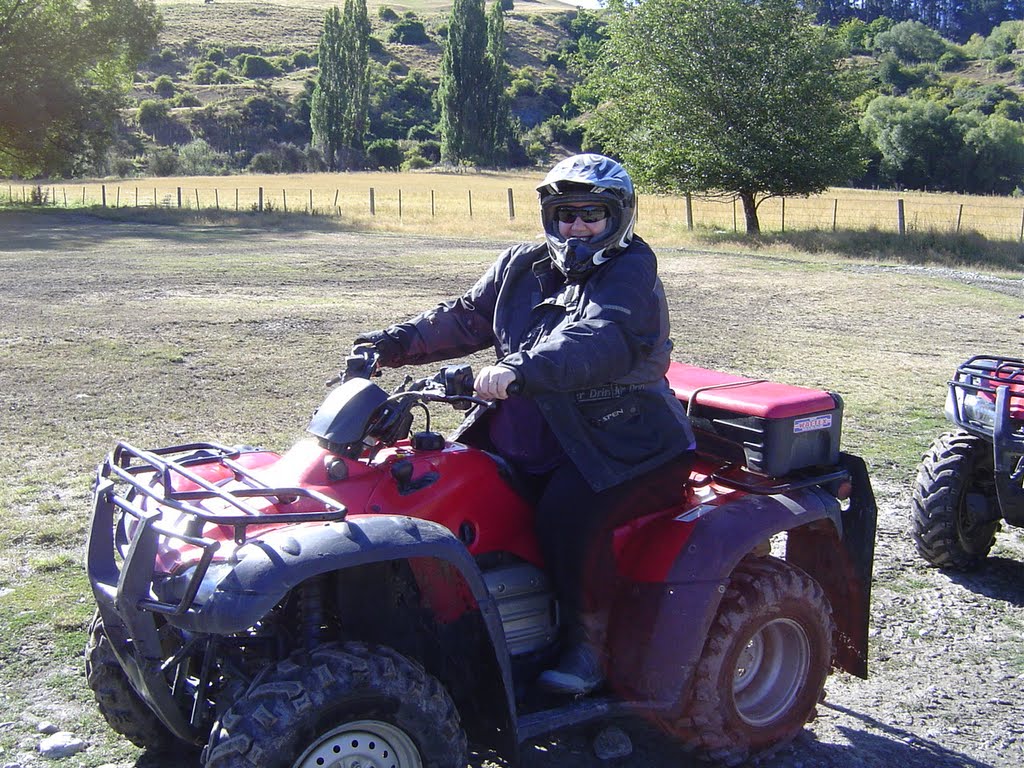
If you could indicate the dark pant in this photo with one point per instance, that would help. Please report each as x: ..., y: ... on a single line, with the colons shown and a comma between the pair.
x: 575, y: 523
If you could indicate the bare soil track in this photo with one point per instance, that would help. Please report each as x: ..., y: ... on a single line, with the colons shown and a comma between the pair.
x: 175, y: 332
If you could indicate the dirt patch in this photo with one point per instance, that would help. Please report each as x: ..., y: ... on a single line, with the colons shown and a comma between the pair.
x: 165, y: 333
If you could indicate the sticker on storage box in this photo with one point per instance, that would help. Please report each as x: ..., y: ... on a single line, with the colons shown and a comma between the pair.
x: 812, y: 423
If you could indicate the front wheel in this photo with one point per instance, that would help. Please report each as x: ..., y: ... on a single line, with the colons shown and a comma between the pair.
x: 955, y: 506
x: 341, y: 705
x: 124, y: 710
x: 764, y: 664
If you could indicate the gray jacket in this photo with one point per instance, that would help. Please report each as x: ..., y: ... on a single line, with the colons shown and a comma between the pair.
x: 593, y: 355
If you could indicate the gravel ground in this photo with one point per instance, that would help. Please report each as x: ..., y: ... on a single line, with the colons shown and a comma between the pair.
x: 946, y: 659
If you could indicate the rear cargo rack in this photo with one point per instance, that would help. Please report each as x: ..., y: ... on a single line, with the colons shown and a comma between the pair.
x: 135, y: 470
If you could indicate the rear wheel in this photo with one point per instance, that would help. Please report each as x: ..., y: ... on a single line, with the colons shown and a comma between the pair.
x: 955, y: 507
x: 764, y: 664
x: 118, y: 702
x: 342, y: 705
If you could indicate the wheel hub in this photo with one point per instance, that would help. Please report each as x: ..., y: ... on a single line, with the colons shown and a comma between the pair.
x: 771, y: 671
x: 362, y: 744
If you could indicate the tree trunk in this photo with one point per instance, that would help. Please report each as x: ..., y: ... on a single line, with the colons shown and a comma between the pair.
x: 750, y: 213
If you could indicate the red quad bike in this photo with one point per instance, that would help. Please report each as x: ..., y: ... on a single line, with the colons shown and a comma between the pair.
x: 973, y: 478
x: 375, y: 596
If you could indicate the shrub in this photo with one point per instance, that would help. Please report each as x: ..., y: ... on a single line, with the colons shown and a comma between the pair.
x: 216, y: 55
x: 1001, y: 63
x: 911, y: 41
x: 163, y: 86
x: 414, y: 161
x: 953, y: 60
x: 384, y: 153
x: 384, y: 13
x: 302, y: 60
x: 187, y: 100
x: 203, y: 72
x: 197, y: 158
x: 255, y: 67
x: 162, y: 162
x: 264, y: 162
x: 151, y: 114
x: 222, y: 77
x: 409, y: 31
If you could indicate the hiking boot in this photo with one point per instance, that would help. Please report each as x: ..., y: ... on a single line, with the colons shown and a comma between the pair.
x: 578, y: 672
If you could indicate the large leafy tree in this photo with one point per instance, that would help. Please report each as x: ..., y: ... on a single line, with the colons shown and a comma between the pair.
x: 340, y: 102
x: 724, y: 97
x: 66, y: 67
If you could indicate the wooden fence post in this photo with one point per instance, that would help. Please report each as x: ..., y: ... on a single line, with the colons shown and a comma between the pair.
x: 689, y: 212
x: 179, y: 197
x: 103, y: 194
x: 470, y: 191
x: 511, y: 206
x: 284, y: 199
x: 197, y: 199
x: 835, y: 211
x: 399, y: 203
x: 117, y: 199
x: 735, y: 226
x: 216, y: 198
x: 783, y: 215
x: 431, y: 203
x: 959, y: 215
x: 311, y: 201
x: 373, y: 205
x: 1021, y: 238
x: 260, y: 203
x: 901, y: 219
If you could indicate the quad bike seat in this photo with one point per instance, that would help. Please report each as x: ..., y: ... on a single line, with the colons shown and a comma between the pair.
x: 769, y: 427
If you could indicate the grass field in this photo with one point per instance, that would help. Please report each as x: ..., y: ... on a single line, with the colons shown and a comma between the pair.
x: 945, y: 228
x: 176, y: 332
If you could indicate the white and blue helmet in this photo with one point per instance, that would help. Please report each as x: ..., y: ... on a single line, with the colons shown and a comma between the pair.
x: 587, y: 178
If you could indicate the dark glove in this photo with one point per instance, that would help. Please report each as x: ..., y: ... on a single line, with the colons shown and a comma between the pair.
x: 389, y: 350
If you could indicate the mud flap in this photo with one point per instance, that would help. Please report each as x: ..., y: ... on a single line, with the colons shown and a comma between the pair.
x: 844, y: 568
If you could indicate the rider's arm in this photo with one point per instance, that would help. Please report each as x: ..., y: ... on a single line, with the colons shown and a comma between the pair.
x: 451, y: 329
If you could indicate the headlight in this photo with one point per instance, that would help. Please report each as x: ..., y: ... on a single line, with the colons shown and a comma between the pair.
x: 173, y: 589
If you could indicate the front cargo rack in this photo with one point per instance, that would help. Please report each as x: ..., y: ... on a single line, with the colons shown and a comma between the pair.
x: 136, y: 470
x: 987, y: 394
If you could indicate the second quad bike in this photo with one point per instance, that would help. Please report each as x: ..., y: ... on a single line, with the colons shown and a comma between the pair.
x: 972, y: 478
x: 375, y: 595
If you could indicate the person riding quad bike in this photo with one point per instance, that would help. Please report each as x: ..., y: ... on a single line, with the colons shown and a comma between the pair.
x: 586, y: 418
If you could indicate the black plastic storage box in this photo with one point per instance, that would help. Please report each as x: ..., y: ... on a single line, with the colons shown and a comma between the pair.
x: 769, y: 427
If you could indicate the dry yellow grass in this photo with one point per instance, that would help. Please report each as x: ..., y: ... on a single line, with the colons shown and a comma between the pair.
x: 477, y: 204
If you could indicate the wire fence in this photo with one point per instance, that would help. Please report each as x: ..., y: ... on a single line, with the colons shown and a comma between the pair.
x: 998, y: 218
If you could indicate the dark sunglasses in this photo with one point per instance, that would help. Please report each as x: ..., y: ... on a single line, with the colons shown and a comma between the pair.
x: 589, y: 213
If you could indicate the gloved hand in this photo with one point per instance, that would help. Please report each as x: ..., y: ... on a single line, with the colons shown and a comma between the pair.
x: 388, y: 350
x: 493, y: 382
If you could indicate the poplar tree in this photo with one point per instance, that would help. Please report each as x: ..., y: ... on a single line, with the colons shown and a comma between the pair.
x: 499, y: 108
x: 465, y: 93
x: 340, y: 102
